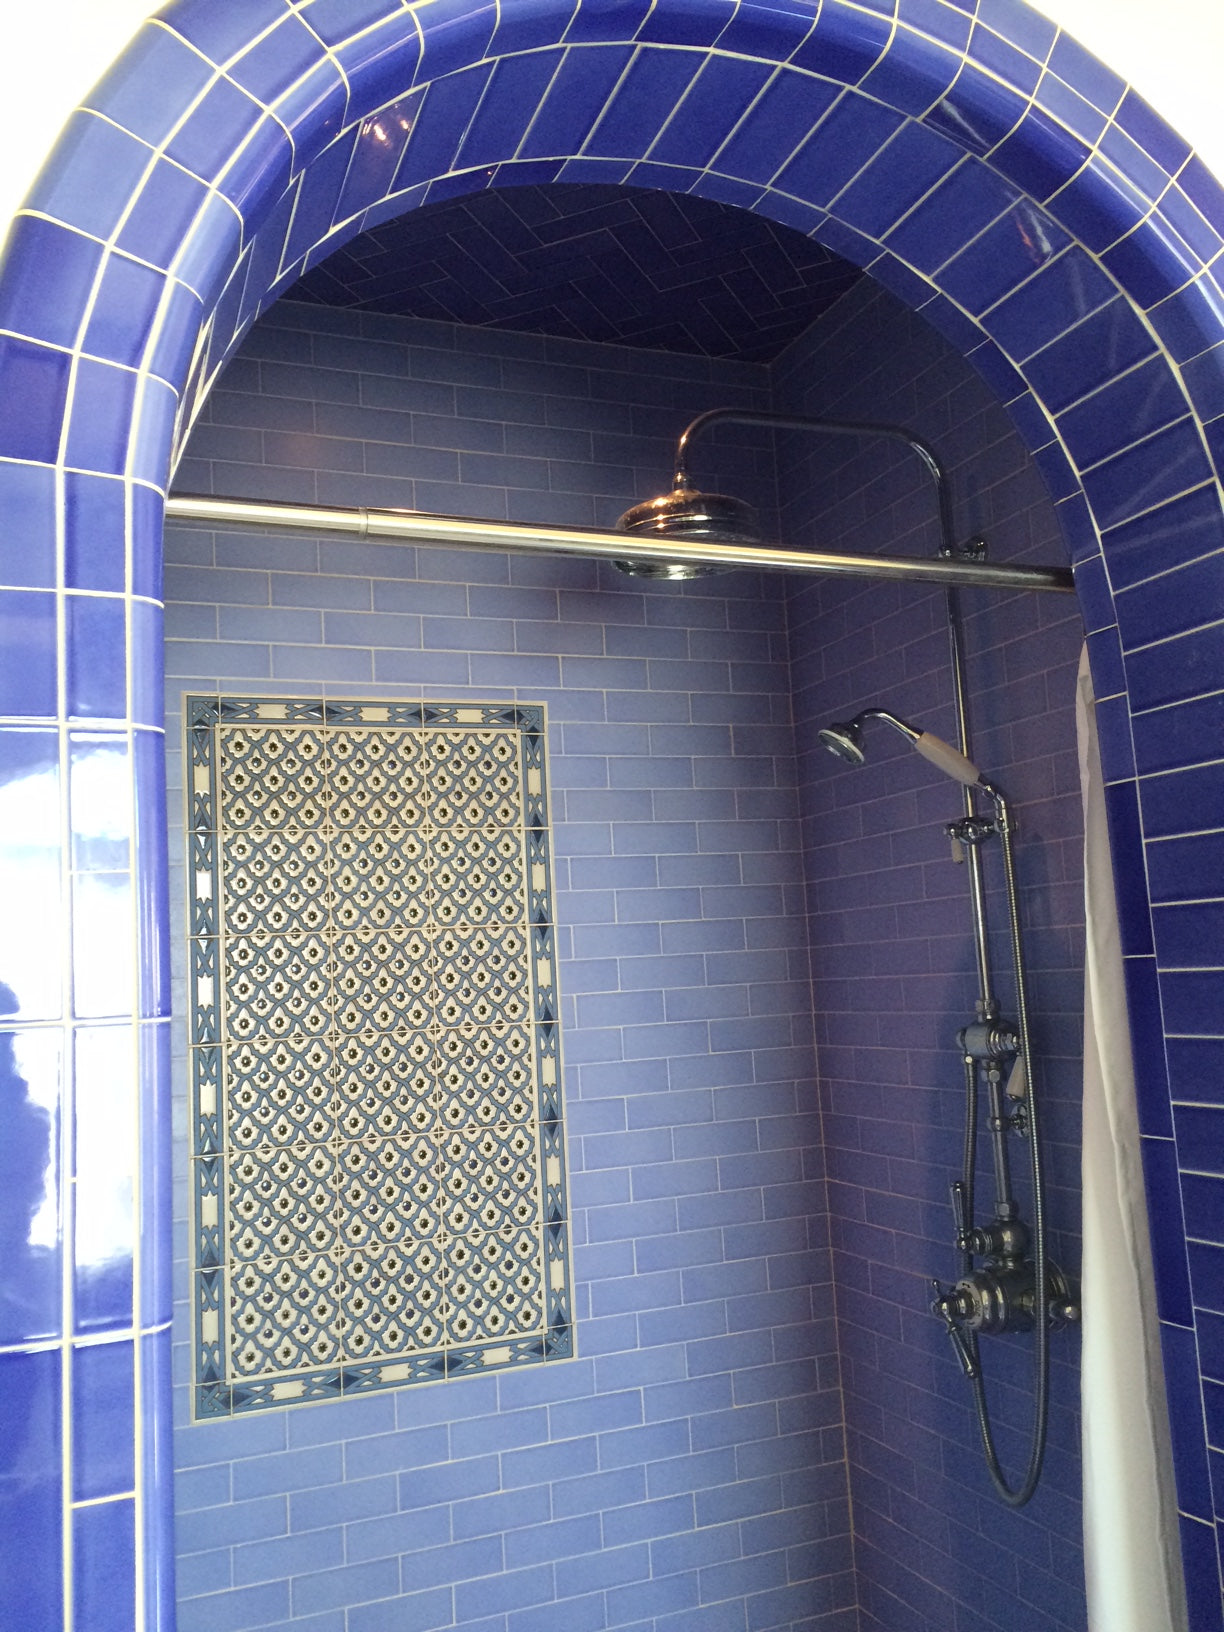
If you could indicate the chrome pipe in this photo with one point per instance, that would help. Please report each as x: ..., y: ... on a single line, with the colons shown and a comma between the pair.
x: 519, y: 538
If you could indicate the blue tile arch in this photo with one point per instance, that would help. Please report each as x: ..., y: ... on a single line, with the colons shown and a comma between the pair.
x: 216, y: 153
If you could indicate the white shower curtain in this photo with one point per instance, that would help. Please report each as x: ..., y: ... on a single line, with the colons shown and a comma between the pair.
x: 1132, y: 1560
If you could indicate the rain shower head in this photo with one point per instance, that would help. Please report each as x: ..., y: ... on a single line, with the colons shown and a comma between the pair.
x: 686, y: 514
x: 845, y: 740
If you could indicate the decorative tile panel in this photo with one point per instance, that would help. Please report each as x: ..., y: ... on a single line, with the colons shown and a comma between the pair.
x: 378, y: 1156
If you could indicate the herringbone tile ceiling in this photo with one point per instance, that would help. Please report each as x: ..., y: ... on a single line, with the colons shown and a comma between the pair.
x: 642, y: 268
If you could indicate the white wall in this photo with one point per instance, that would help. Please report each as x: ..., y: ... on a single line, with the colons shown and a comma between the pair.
x: 1171, y: 50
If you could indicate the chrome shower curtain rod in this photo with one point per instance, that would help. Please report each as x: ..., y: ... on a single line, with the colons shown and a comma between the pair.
x: 522, y: 538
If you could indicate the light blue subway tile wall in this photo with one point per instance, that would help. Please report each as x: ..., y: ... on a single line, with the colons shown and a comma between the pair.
x: 689, y: 1461
x: 893, y: 965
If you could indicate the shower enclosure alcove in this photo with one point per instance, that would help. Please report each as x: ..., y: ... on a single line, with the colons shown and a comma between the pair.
x: 762, y: 960
x: 687, y: 1468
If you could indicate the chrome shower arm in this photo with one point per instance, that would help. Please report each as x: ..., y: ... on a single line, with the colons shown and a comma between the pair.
x: 835, y: 427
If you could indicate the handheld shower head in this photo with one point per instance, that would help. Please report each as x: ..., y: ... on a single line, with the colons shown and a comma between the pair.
x: 844, y: 740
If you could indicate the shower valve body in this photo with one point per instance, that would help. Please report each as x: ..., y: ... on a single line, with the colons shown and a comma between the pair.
x: 1002, y: 1298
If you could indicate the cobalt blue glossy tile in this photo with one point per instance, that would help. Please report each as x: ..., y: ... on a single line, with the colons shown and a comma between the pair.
x: 1207, y: 1279
x: 150, y: 865
x: 1060, y: 294
x: 31, y: 1083
x: 714, y: 103
x: 1163, y: 1186
x: 1040, y: 156
x: 908, y: 286
x: 27, y: 501
x: 1100, y: 211
x: 97, y: 656
x: 1088, y: 355
x: 507, y: 108
x: 214, y: 130
x: 778, y: 122
x: 1200, y: 235
x: 1056, y: 471
x: 102, y: 1249
x: 153, y: 433
x: 906, y: 169
x: 1204, y: 190
x: 1185, y: 801
x: 1183, y: 530
x: 960, y: 206
x: 1007, y: 62
x: 770, y: 29
x: 1019, y: 23
x: 1188, y: 322
x: 1151, y: 266
x: 380, y: 63
x: 846, y: 138
x: 1202, y: 1572
x: 845, y: 44
x: 1189, y: 935
x: 454, y: 34
x: 1165, y: 605
x: 1147, y: 1046
x: 103, y: 1420
x: 27, y: 652
x: 1144, y: 400
x: 1002, y: 257
x: 1203, y: 1206
x: 916, y: 73
x: 156, y: 1290
x: 980, y: 111
x: 98, y: 169
x: 177, y: 331
x: 1167, y: 464
x: 1185, y: 1413
x: 1193, y: 1003
x: 277, y: 60
x: 49, y: 272
x: 1187, y: 868
x: 1057, y: 98
x: 1204, y: 380
x: 32, y: 408
x: 218, y: 34
x: 1095, y: 599
x: 1151, y: 134
x: 314, y: 111
x: 644, y: 98
x: 31, y: 1497
x: 337, y: 20
x: 448, y: 109
x: 146, y: 91
x: 100, y: 418
x: 146, y: 541
x: 259, y: 173
x: 210, y: 249
x: 104, y: 1566
x: 319, y: 196
x: 686, y: 27
x: 943, y: 22
x: 123, y: 313
x: 1086, y: 74
x: 167, y: 203
x: 1130, y: 883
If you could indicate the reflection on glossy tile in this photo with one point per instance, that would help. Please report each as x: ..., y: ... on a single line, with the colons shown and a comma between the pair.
x: 31, y: 1225
x: 32, y: 963
x: 104, y: 1158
